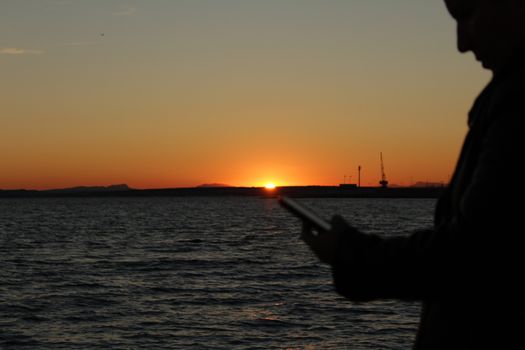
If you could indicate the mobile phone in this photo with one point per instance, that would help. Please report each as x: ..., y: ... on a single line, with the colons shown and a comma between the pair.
x: 305, y: 214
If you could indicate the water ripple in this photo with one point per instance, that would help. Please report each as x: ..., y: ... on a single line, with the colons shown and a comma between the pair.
x: 165, y: 273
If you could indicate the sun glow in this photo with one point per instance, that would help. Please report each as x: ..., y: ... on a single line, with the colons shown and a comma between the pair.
x: 269, y: 186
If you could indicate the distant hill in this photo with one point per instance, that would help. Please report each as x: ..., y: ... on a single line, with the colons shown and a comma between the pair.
x: 111, y: 188
x: 213, y: 185
x: 71, y: 192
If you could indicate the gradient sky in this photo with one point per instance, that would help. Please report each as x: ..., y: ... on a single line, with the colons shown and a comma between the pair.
x: 176, y: 93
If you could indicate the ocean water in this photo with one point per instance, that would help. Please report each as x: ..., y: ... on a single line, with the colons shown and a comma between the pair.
x: 188, y: 273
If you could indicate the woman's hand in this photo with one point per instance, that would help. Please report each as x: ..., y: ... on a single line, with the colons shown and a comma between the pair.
x: 324, y: 244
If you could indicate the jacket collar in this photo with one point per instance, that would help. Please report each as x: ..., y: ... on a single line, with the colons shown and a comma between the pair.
x: 515, y: 63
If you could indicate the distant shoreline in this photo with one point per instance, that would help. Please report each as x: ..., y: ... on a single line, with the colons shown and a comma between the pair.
x: 291, y: 191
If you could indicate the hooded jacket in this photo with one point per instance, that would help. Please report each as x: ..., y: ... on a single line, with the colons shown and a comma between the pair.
x: 468, y: 269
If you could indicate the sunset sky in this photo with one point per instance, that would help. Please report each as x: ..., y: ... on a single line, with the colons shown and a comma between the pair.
x: 176, y: 93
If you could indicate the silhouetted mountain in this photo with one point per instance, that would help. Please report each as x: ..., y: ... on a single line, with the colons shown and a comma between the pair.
x: 111, y: 188
x: 213, y: 185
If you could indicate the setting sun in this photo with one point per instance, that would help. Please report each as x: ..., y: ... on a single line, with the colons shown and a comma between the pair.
x: 269, y: 186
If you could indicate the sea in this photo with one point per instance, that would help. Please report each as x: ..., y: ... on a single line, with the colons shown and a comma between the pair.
x: 188, y: 273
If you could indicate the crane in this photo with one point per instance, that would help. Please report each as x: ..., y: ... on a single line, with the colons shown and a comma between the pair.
x: 383, y: 182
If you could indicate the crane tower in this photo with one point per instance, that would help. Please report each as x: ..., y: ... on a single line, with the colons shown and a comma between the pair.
x: 383, y: 182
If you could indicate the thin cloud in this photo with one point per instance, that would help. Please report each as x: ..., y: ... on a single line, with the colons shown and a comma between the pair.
x: 129, y: 11
x: 79, y: 43
x: 19, y: 51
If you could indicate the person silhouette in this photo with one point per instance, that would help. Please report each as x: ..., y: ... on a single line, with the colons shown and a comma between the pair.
x: 467, y: 268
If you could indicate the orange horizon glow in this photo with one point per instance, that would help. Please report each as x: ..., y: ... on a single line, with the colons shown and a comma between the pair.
x: 287, y: 167
x: 238, y: 178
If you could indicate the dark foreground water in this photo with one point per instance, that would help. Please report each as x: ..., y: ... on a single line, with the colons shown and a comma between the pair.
x: 187, y: 273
